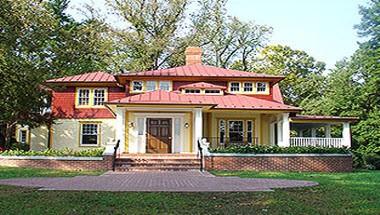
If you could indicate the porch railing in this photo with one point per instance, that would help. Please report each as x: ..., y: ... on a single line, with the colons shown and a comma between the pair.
x: 317, y: 142
x: 114, y: 155
x: 223, y: 142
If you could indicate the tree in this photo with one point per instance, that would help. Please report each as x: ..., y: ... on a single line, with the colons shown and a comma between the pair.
x: 25, y: 27
x: 77, y: 47
x: 160, y: 31
x: 304, y: 81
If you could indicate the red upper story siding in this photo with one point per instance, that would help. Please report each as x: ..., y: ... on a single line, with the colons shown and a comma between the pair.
x: 63, y: 104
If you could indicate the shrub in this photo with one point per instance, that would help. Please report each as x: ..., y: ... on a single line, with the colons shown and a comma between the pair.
x: 98, y: 152
x: 367, y: 157
x: 262, y: 149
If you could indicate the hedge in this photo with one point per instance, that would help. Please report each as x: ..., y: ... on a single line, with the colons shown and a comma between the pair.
x: 98, y: 152
x: 262, y: 149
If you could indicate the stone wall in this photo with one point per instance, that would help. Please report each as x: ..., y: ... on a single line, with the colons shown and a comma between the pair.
x: 281, y: 162
x: 63, y: 163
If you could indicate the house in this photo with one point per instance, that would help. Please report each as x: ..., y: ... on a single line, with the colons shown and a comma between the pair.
x: 168, y: 110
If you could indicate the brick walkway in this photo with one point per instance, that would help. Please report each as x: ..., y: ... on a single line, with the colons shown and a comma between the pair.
x: 170, y: 181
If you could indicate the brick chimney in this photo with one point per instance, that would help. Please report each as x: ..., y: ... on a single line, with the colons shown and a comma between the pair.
x: 193, y: 55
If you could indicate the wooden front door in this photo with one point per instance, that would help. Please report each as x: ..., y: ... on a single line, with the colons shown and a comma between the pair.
x: 159, y: 135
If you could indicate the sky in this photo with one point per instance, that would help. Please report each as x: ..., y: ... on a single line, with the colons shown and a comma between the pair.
x: 322, y: 28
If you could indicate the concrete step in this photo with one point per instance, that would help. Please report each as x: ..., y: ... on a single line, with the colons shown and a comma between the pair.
x: 179, y: 161
x: 155, y: 168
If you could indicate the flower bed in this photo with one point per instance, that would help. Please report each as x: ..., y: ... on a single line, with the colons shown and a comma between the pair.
x: 262, y: 149
x: 55, y: 153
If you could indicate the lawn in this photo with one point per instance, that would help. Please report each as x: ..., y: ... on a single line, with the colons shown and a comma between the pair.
x: 342, y: 193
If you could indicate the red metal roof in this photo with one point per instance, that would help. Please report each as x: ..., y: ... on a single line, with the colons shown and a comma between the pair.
x: 202, y: 85
x: 86, y: 77
x: 199, y: 71
x: 160, y: 97
x: 337, y: 118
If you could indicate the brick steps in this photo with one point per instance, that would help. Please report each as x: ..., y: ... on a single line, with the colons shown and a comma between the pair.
x: 157, y: 162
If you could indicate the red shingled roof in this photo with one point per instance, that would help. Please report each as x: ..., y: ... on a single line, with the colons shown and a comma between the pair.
x: 202, y: 85
x: 199, y: 71
x: 218, y: 102
x: 86, y: 77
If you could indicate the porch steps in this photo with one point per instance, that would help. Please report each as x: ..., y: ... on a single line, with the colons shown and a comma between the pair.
x: 157, y: 162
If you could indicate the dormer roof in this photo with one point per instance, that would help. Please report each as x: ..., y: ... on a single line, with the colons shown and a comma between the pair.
x: 202, y: 85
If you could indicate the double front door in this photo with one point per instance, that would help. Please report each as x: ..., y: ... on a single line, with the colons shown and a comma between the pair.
x: 159, y: 135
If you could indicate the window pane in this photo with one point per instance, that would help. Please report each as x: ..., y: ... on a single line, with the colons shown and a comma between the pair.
x: 248, y: 87
x: 235, y: 131
x: 192, y: 91
x: 22, y: 136
x: 222, y: 131
x: 99, y: 96
x: 137, y: 85
x: 140, y: 126
x: 165, y: 85
x: 90, y: 134
x: 212, y: 91
x: 83, y: 96
x: 235, y: 87
x: 261, y: 86
x: 249, y: 131
x: 151, y: 85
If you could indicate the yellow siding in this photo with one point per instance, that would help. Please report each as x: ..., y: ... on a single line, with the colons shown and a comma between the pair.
x: 39, y: 138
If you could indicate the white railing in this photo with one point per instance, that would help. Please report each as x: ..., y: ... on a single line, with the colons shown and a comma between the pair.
x: 317, y: 141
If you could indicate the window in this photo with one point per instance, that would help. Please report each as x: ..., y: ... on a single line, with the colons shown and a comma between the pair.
x: 84, y: 97
x: 151, y: 85
x: 99, y: 96
x: 261, y: 86
x: 90, y: 134
x: 235, y: 131
x: 212, y: 91
x: 165, y: 85
x: 250, y: 132
x: 235, y: 86
x: 248, y: 87
x: 222, y: 131
x: 137, y: 86
x: 22, y: 136
x: 192, y: 91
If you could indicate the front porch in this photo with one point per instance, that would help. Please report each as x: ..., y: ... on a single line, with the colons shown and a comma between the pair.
x: 176, y: 130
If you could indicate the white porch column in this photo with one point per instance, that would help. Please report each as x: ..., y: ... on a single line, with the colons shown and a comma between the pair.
x: 120, y: 127
x: 285, y: 131
x: 346, y: 134
x: 197, y: 128
x: 300, y: 133
x: 328, y: 131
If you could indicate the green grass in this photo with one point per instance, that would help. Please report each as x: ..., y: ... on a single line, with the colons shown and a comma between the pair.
x: 341, y: 193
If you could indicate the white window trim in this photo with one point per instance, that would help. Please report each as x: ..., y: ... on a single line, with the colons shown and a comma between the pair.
x: 243, y: 87
x: 137, y: 91
x: 93, y: 97
x: 77, y: 97
x: 98, y: 134
x: 262, y: 92
x: 155, y: 86
x: 170, y: 85
x: 230, y: 86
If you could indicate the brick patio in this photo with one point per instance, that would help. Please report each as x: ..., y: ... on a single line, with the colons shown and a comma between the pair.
x: 163, y: 181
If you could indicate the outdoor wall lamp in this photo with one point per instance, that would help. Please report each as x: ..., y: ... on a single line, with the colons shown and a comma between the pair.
x: 132, y: 124
x: 186, y: 125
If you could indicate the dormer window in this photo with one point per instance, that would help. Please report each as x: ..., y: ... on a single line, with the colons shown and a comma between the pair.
x: 213, y: 92
x: 235, y: 86
x: 151, y: 85
x: 165, y: 85
x: 90, y: 97
x: 137, y: 86
x: 248, y: 87
x: 192, y: 91
x: 261, y: 87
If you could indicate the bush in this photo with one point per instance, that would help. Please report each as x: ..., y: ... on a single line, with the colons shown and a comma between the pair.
x: 262, y: 149
x: 367, y: 157
x: 98, y: 152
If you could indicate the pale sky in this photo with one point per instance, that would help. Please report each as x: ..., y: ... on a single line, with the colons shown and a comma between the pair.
x: 322, y: 28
